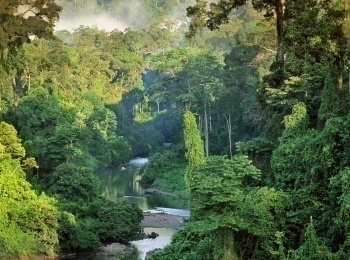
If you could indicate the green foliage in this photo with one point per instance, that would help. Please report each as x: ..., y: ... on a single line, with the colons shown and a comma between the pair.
x: 19, y: 24
x: 10, y: 144
x: 73, y: 182
x: 310, y: 166
x: 259, y: 150
x: 22, y: 211
x: 312, y: 157
x: 161, y: 163
x: 172, y: 180
x: 340, y: 184
x: 194, y: 146
x: 144, y: 138
x: 296, y: 123
x: 168, y: 123
x: 100, y: 221
x: 330, y: 102
x: 14, y: 243
x: 224, y: 202
x: 313, y: 40
x: 187, y: 244
x: 57, y: 95
x: 119, y: 150
x: 77, y: 234
x: 116, y: 221
x: 165, y: 170
x: 87, y: 220
x: 312, y: 248
x: 30, y: 217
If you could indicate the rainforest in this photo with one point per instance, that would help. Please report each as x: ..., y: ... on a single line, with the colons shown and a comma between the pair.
x: 241, y: 107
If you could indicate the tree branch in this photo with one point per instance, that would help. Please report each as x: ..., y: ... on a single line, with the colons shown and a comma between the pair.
x: 268, y: 49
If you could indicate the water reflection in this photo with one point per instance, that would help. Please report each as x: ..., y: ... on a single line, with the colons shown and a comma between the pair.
x: 117, y: 183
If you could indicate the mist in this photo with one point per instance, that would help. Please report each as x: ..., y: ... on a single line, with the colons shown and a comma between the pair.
x: 118, y: 15
x: 102, y: 22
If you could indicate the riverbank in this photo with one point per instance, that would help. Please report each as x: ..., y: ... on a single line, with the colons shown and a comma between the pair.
x: 155, y: 191
x: 160, y: 220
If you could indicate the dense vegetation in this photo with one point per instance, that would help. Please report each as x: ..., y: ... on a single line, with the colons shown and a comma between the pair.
x: 257, y: 114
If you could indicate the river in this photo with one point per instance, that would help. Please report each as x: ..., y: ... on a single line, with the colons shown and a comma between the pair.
x: 122, y: 183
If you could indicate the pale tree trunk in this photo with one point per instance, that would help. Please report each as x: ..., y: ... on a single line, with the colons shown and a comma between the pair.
x: 200, y: 124
x: 340, y: 78
x: 206, y: 130
x: 229, y: 129
x: 210, y: 124
x: 226, y: 247
x: 28, y: 77
x: 342, y: 63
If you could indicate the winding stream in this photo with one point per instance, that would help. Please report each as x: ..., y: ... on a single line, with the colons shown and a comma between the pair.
x: 122, y: 183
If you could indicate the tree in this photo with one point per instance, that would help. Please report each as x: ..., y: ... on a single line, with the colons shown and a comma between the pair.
x: 194, y: 146
x: 312, y: 248
x: 225, y: 203
x: 315, y: 46
x: 219, y: 14
x: 74, y: 183
x: 23, y: 19
x: 204, y: 76
x: 12, y: 153
x: 28, y: 222
x: 10, y: 144
x: 330, y: 102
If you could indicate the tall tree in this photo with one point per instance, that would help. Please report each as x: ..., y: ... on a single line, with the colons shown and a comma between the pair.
x: 22, y: 19
x: 238, y: 216
x: 194, y: 145
x: 219, y: 14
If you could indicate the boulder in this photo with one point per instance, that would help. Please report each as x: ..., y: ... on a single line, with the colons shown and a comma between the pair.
x: 115, y: 249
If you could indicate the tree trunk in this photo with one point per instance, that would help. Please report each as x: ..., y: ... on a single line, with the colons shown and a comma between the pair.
x: 279, y: 28
x: 229, y: 129
x: 28, y: 77
x: 210, y: 123
x: 200, y: 124
x: 340, y: 79
x: 206, y: 130
x: 225, y: 247
x: 1, y: 96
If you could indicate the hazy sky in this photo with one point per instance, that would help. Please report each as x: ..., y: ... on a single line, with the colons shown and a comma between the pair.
x: 103, y: 22
x: 121, y: 14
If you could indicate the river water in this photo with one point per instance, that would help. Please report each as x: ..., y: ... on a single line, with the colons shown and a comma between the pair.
x: 122, y: 183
